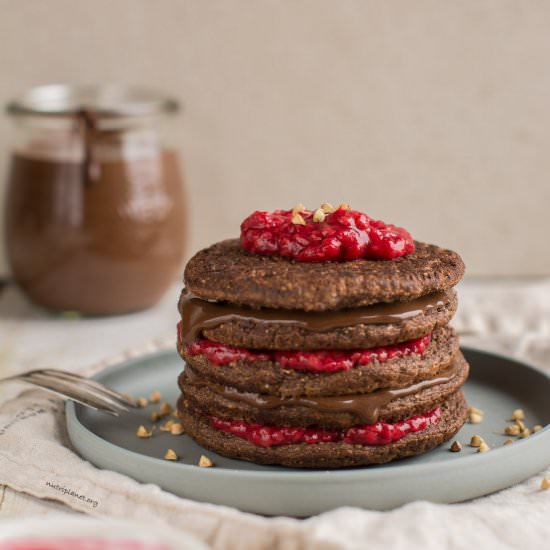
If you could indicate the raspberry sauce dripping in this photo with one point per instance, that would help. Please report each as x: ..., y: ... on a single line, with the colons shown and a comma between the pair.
x: 380, y: 433
x: 339, y: 235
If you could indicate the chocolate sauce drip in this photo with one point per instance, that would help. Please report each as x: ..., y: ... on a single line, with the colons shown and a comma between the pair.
x: 198, y: 315
x: 365, y: 407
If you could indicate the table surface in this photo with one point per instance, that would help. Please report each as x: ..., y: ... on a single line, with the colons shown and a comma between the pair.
x: 32, y: 338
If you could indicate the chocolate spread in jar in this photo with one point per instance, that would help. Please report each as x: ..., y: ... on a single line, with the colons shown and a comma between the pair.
x: 108, y: 244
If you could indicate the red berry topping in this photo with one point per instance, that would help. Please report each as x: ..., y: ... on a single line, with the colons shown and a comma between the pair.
x: 380, y: 433
x: 339, y: 235
x: 310, y: 361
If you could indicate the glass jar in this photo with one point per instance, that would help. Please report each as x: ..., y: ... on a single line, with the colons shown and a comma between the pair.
x: 94, y: 209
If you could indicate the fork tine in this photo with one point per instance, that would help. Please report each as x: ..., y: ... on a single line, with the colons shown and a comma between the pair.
x: 73, y: 392
x: 73, y: 377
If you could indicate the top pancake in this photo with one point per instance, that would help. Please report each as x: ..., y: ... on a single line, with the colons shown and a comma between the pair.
x: 225, y: 272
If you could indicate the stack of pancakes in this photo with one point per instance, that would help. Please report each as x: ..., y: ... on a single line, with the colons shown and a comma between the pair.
x: 320, y: 364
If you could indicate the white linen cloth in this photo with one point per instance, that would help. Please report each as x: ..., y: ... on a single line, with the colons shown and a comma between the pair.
x: 36, y: 459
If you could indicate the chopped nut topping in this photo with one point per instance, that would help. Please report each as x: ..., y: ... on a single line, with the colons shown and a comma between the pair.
x: 344, y: 205
x: 536, y: 428
x: 327, y: 208
x: 142, y: 402
x: 167, y: 426
x: 483, y: 448
x: 475, y: 418
x: 545, y: 484
x: 512, y: 430
x: 177, y: 429
x: 476, y: 441
x: 155, y: 396
x: 170, y: 455
x: 525, y: 433
x: 508, y: 441
x: 205, y: 462
x: 166, y: 409
x: 142, y: 431
x: 455, y: 447
x: 319, y: 216
x: 297, y: 219
x: 155, y: 416
x: 518, y: 414
x: 298, y: 208
x: 475, y: 410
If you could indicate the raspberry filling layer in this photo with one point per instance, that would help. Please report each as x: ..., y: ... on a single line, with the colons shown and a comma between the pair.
x: 326, y: 361
x: 380, y: 433
x: 307, y: 236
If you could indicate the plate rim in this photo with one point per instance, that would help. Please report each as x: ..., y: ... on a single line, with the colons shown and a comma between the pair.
x: 305, y: 475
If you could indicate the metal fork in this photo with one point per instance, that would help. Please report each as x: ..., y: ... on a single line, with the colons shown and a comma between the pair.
x: 77, y: 388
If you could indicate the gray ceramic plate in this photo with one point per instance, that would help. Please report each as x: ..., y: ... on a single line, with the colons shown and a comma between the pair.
x: 497, y: 385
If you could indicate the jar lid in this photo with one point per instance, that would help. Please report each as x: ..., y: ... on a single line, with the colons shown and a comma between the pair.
x: 105, y: 101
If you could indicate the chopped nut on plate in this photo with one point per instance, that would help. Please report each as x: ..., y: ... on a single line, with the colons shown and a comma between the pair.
x: 508, y: 441
x: 518, y: 414
x: 155, y: 416
x: 205, y: 462
x: 167, y: 426
x: 176, y: 429
x: 171, y: 455
x: 166, y: 409
x: 545, y: 484
x: 520, y: 425
x: 476, y: 441
x: 525, y: 433
x: 475, y: 410
x: 455, y: 447
x: 483, y: 448
x: 536, y: 428
x: 155, y: 396
x: 475, y: 418
x: 142, y: 402
x: 142, y: 431
x: 512, y: 430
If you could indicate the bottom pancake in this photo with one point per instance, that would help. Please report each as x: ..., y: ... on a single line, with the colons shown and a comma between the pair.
x: 328, y: 455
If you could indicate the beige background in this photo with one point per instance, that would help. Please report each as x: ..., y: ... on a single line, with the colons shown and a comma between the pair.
x: 431, y: 114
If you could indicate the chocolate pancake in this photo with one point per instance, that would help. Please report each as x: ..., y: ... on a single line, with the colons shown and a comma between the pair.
x: 225, y: 272
x: 329, y: 455
x: 201, y: 396
x: 364, y: 327
x: 267, y: 376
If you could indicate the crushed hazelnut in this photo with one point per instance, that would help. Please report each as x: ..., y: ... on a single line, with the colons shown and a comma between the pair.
x: 476, y: 441
x: 520, y: 425
x: 176, y: 429
x: 475, y: 410
x: 155, y: 416
x: 545, y: 484
x: 344, y: 205
x: 525, y: 433
x: 483, y: 448
x: 327, y: 208
x: 456, y: 447
x: 142, y: 431
x: 536, y: 428
x: 475, y: 418
x: 171, y: 455
x: 205, y: 462
x: 155, y: 396
x: 166, y: 409
x: 319, y: 216
x: 297, y: 219
x: 508, y: 441
x: 298, y: 208
x: 512, y: 430
x: 167, y: 426
x: 518, y: 414
x: 142, y: 402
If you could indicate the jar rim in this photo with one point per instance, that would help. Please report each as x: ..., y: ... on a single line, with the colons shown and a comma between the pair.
x: 104, y: 100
